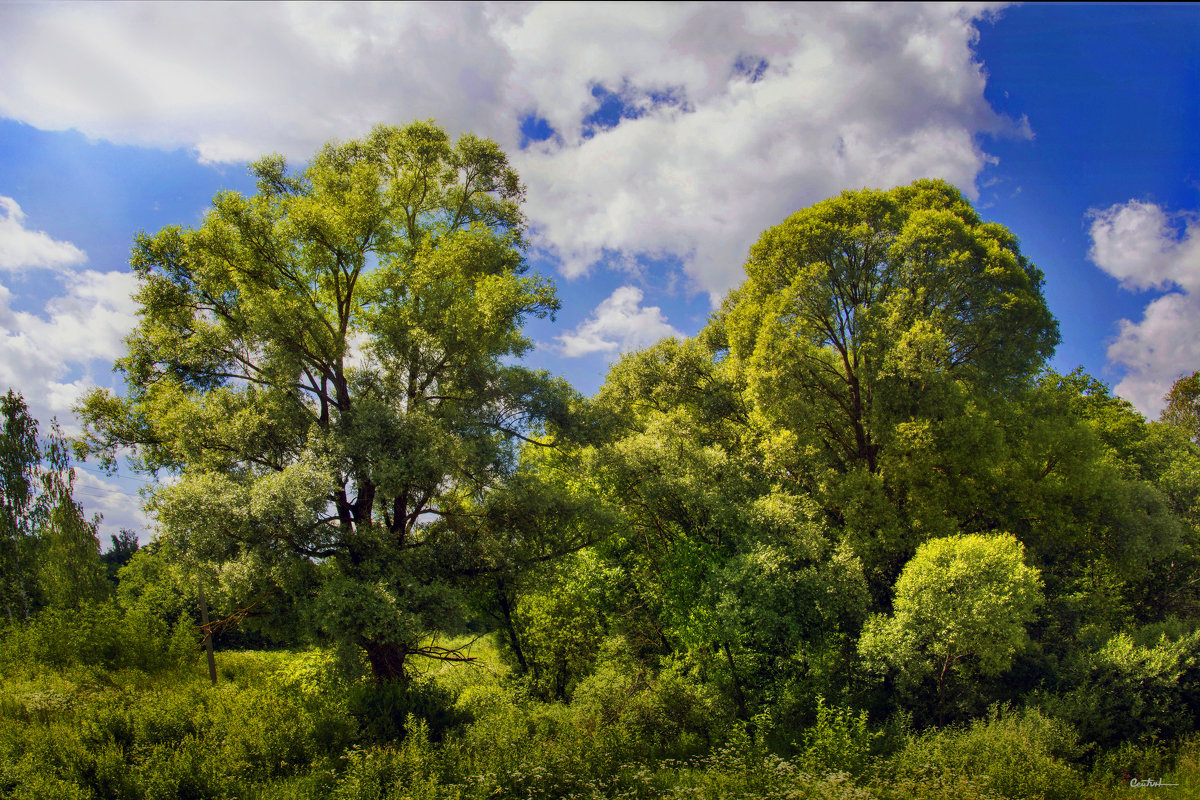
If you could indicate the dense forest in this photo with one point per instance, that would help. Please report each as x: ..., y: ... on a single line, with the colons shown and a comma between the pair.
x: 854, y: 539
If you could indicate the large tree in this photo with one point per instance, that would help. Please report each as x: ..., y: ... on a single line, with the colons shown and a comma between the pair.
x: 876, y: 332
x: 49, y: 553
x: 864, y: 309
x: 1183, y: 406
x: 19, y: 458
x: 328, y: 366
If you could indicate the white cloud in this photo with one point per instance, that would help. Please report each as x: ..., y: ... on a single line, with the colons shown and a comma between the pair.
x: 54, y: 356
x: 1145, y: 247
x: 117, y: 503
x: 21, y: 248
x: 235, y: 80
x: 78, y: 333
x: 618, y: 324
x: 703, y: 177
x: 850, y: 96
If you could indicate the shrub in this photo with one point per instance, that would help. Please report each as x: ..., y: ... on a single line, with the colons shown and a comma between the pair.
x: 383, y: 711
x: 1015, y: 754
x: 100, y: 635
x: 839, y: 741
x: 648, y: 716
x: 1135, y: 691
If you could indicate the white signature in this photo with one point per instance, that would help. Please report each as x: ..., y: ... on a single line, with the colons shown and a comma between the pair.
x: 1142, y: 784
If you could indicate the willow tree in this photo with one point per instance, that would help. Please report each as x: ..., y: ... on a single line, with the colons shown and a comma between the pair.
x: 1183, y: 406
x: 877, y: 331
x: 328, y: 366
x: 859, y: 308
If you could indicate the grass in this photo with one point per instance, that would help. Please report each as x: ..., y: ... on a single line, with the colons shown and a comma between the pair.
x: 300, y: 725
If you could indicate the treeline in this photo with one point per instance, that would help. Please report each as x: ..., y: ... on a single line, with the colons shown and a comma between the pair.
x: 855, y: 526
x: 50, y: 549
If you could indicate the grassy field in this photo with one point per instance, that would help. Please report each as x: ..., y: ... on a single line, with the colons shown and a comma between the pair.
x: 301, y: 724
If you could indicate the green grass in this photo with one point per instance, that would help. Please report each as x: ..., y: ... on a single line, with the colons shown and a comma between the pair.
x: 301, y: 725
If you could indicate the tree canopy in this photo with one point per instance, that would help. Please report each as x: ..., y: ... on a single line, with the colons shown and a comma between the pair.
x: 49, y: 551
x: 1183, y: 406
x: 859, y: 309
x: 327, y: 365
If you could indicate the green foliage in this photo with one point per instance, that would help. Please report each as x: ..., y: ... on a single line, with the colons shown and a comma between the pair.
x: 1134, y: 687
x: 167, y: 735
x: 96, y: 634
x: 49, y: 553
x: 856, y: 494
x: 327, y: 364
x: 1183, y: 406
x: 560, y: 623
x: 157, y: 586
x: 640, y: 714
x: 124, y: 545
x: 962, y: 605
x: 385, y: 712
x: 863, y: 310
x: 69, y: 568
x: 839, y: 741
x: 1176, y: 763
x: 19, y: 458
x: 1016, y: 755
x: 283, y: 725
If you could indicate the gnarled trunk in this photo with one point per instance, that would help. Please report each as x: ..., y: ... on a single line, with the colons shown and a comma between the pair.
x: 387, y: 661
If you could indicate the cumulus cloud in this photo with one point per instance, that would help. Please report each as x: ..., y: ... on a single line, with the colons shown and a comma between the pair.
x: 52, y: 357
x: 744, y: 114
x: 235, y: 80
x: 117, y: 503
x: 21, y: 248
x: 618, y: 324
x: 1145, y: 247
x: 728, y: 117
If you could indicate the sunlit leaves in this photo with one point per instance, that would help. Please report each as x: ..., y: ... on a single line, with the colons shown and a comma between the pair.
x: 961, y: 605
x: 323, y: 361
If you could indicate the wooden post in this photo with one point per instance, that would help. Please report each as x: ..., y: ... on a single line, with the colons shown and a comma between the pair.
x: 212, y: 662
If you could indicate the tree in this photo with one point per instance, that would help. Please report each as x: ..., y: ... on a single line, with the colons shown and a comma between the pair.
x: 49, y: 553
x: 19, y: 458
x: 124, y: 545
x: 327, y: 365
x: 962, y: 604
x: 864, y: 309
x: 874, y: 334
x: 1183, y: 406
x: 69, y: 568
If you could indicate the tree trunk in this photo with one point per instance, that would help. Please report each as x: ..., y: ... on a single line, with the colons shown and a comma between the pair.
x: 510, y: 629
x: 387, y: 661
x: 738, y: 698
x: 208, y: 643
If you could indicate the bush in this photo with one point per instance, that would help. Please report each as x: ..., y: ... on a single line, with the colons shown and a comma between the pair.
x: 383, y: 711
x: 99, y: 634
x: 1135, y: 691
x: 648, y: 716
x: 1014, y: 754
x: 172, y: 736
x: 839, y: 741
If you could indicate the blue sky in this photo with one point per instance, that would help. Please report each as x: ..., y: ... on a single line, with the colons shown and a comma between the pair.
x: 656, y: 141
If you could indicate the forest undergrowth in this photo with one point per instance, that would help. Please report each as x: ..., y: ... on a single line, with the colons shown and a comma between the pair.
x: 119, y: 722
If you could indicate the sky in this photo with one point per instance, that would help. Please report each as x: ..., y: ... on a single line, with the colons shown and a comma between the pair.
x: 656, y: 142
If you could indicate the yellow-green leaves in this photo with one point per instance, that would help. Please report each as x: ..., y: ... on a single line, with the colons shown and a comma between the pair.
x: 858, y: 311
x: 961, y: 605
x: 323, y: 362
